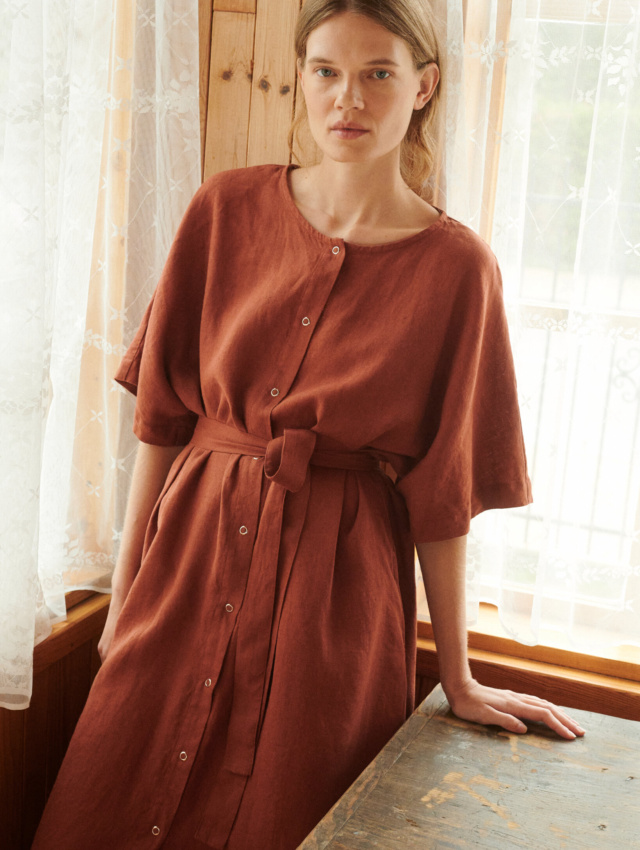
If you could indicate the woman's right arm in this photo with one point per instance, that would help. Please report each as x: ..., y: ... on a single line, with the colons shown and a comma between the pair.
x: 149, y: 475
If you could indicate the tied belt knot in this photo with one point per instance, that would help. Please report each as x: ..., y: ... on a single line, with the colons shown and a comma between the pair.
x: 286, y: 458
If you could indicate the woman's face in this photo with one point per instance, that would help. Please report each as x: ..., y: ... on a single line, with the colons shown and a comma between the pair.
x: 357, y: 72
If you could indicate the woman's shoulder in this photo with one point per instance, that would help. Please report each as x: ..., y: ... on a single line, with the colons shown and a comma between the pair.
x: 241, y: 184
x: 466, y: 256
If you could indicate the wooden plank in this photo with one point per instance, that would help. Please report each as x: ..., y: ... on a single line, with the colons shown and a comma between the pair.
x: 461, y: 785
x: 205, y: 22
x: 575, y: 688
x: 621, y: 665
x: 248, y: 6
x: 229, y: 92
x: 83, y: 623
x: 35, y: 775
x: 273, y: 82
x: 11, y: 771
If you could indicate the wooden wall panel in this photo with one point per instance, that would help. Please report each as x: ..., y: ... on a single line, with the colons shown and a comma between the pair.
x: 273, y: 82
x: 229, y: 91
x: 34, y: 741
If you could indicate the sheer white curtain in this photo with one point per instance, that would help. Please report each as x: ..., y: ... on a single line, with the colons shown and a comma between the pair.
x: 99, y: 156
x: 564, y: 222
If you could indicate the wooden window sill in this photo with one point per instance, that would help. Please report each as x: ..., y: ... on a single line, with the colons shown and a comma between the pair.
x: 84, y: 620
x: 606, y: 685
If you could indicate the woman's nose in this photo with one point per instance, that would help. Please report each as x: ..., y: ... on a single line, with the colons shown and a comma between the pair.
x: 349, y: 94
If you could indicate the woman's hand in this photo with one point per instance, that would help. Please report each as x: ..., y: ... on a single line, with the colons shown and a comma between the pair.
x: 109, y: 628
x: 481, y: 704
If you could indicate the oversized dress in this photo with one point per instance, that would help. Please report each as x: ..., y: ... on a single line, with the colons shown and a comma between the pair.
x: 336, y: 403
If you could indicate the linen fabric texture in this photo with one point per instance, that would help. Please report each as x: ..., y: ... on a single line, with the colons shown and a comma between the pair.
x: 266, y: 650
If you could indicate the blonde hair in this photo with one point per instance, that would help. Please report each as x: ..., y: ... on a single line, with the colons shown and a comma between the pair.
x: 413, y: 21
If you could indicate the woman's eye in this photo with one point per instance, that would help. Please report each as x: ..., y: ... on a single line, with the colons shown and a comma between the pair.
x: 382, y: 72
x: 321, y: 70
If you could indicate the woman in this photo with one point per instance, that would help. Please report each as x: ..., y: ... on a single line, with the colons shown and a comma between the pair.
x: 309, y: 323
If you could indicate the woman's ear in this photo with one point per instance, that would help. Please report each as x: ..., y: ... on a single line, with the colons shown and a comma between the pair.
x: 428, y: 82
x: 299, y: 70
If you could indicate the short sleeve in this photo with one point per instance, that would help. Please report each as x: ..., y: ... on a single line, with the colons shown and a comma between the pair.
x: 161, y: 365
x: 475, y: 457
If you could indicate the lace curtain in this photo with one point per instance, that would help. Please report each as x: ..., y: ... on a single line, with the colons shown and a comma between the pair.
x: 99, y: 156
x: 552, y: 181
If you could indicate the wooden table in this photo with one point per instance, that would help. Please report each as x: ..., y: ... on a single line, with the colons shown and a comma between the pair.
x: 442, y: 783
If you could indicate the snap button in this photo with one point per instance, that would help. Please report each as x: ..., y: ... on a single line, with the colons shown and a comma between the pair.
x: 183, y: 756
x: 306, y: 321
x: 155, y: 830
x: 228, y: 607
x: 275, y: 391
x: 335, y: 249
x: 244, y: 529
x: 207, y: 683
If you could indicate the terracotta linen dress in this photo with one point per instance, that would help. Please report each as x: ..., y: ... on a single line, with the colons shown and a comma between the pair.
x: 266, y: 650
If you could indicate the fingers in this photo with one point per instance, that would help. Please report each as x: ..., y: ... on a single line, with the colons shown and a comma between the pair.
x: 508, y: 709
x: 507, y: 721
x: 543, y: 711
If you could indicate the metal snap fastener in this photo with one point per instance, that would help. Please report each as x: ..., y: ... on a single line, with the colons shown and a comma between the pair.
x: 228, y: 607
x: 275, y: 391
x: 155, y: 830
x: 335, y: 249
x: 306, y: 321
x: 183, y: 756
x: 207, y: 683
x: 244, y: 529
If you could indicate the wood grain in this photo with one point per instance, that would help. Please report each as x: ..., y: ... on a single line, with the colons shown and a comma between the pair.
x: 442, y: 782
x: 231, y: 73
x: 273, y: 82
x: 235, y: 6
x: 34, y: 740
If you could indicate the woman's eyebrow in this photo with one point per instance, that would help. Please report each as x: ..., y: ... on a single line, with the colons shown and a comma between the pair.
x: 320, y: 60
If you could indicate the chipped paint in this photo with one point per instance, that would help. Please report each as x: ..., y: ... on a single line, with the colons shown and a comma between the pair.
x: 439, y: 795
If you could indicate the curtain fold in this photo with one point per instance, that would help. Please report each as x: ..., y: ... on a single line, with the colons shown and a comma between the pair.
x: 99, y: 157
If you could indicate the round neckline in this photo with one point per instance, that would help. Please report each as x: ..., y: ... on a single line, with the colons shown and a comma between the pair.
x: 336, y: 240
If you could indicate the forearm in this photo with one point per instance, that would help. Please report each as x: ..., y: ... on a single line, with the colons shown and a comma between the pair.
x: 443, y: 566
x: 149, y: 475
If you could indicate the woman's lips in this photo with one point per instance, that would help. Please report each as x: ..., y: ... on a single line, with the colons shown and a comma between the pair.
x: 347, y: 133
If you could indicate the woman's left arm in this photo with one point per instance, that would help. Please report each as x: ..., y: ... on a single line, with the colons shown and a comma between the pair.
x: 443, y: 566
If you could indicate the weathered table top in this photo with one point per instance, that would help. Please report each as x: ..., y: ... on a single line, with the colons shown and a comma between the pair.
x: 442, y: 783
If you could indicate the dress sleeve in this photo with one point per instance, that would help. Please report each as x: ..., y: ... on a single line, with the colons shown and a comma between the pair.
x: 475, y: 456
x: 161, y: 367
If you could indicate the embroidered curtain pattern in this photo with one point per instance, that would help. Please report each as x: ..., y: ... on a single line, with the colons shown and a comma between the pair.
x: 99, y: 156
x: 543, y: 160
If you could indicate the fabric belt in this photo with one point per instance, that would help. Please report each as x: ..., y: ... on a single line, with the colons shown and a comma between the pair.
x: 286, y: 458
x: 286, y: 463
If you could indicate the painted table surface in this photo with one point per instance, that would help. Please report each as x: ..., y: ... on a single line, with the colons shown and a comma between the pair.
x: 441, y: 782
